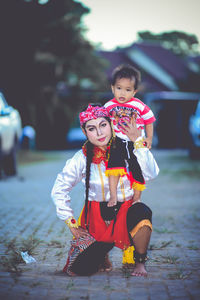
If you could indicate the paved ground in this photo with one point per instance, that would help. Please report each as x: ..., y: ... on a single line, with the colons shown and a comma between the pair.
x: 28, y: 222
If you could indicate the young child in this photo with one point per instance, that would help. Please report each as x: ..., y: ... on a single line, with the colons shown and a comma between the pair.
x: 124, y: 110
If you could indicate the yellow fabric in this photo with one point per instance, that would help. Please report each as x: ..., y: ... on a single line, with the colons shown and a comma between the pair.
x: 138, y: 186
x: 139, y: 144
x: 102, y: 183
x: 70, y: 223
x: 79, y: 218
x: 142, y: 223
x: 128, y: 255
x: 115, y: 172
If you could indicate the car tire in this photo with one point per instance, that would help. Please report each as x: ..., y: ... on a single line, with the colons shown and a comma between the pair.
x: 194, y: 152
x: 10, y: 162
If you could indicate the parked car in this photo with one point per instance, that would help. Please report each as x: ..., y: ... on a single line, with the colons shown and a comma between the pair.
x: 178, y: 120
x: 194, y: 128
x: 75, y: 138
x: 10, y: 133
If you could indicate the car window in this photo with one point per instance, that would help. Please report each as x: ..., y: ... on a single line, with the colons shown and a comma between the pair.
x: 198, y: 109
x: 3, y: 102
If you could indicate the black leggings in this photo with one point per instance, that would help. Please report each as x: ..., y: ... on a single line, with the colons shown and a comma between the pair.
x: 136, y: 213
x: 89, y: 261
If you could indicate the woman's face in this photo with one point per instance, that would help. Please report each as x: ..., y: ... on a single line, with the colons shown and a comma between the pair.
x: 98, y: 132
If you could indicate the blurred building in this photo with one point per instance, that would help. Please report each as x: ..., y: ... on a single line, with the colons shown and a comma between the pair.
x: 170, y: 85
x: 161, y: 69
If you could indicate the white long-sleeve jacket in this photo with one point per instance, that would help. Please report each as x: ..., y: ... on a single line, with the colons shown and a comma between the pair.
x: 75, y: 170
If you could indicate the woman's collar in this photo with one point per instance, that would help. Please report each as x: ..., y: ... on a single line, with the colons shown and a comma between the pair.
x: 99, y: 156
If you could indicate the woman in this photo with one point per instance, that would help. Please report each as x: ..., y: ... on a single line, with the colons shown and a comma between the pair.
x: 100, y: 229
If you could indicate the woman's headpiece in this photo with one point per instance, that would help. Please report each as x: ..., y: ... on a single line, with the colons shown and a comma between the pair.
x: 92, y: 112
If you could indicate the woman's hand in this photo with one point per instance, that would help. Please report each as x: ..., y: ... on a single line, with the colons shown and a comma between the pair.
x: 79, y: 232
x: 130, y: 129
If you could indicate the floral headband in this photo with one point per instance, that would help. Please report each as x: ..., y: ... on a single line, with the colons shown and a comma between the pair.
x: 92, y: 112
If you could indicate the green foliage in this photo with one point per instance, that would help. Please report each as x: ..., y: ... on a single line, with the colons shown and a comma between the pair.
x: 42, y: 46
x: 179, y: 42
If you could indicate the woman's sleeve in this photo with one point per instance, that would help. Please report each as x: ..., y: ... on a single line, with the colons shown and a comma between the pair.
x: 147, y: 163
x: 71, y: 174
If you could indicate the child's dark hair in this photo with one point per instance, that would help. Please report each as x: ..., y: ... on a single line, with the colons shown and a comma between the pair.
x: 126, y: 71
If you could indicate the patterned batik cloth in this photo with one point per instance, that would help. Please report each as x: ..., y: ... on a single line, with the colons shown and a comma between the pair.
x: 86, y: 255
x: 77, y: 247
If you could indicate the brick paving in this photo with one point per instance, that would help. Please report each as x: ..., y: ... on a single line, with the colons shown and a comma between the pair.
x: 28, y: 217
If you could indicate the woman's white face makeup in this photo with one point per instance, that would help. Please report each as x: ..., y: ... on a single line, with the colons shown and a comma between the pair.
x: 98, y: 132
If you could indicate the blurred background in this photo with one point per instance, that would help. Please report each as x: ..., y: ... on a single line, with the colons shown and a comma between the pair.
x: 58, y: 55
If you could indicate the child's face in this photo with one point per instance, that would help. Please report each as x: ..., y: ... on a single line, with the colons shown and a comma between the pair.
x: 123, y: 89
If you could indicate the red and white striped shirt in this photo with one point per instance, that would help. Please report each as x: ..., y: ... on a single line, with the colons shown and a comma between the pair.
x: 133, y: 108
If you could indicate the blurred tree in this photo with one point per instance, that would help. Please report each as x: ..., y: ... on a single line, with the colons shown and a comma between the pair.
x: 186, y: 46
x: 41, y: 46
x: 179, y: 42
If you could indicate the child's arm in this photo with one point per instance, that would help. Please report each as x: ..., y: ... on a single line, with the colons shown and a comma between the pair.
x: 137, y: 196
x: 149, y: 135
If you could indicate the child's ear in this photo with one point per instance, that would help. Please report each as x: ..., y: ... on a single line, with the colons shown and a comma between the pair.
x: 112, y: 88
x: 135, y: 91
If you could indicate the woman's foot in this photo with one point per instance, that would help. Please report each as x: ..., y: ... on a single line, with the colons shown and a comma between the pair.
x: 106, y: 265
x: 139, y: 270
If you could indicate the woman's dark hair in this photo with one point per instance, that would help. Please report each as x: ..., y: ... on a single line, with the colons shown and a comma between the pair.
x: 89, y: 157
x: 126, y: 71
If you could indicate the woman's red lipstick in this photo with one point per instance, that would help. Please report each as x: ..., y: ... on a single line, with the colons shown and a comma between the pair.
x: 102, y: 139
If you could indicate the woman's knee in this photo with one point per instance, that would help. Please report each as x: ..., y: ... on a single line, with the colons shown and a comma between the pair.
x: 136, y: 213
x: 140, y: 208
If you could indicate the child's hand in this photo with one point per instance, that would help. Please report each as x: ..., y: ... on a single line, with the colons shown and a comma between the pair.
x: 148, y: 142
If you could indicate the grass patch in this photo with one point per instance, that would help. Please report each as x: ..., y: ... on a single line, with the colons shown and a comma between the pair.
x: 169, y: 259
x: 59, y: 253
x: 33, y: 156
x: 127, y: 269
x: 159, y: 247
x: 192, y: 172
x: 12, y: 258
x: 108, y: 288
x: 35, y: 284
x: 55, y: 243
x: 70, y: 285
x: 29, y: 156
x: 163, y: 230
x: 193, y: 247
x: 178, y: 275
x: 166, y: 259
